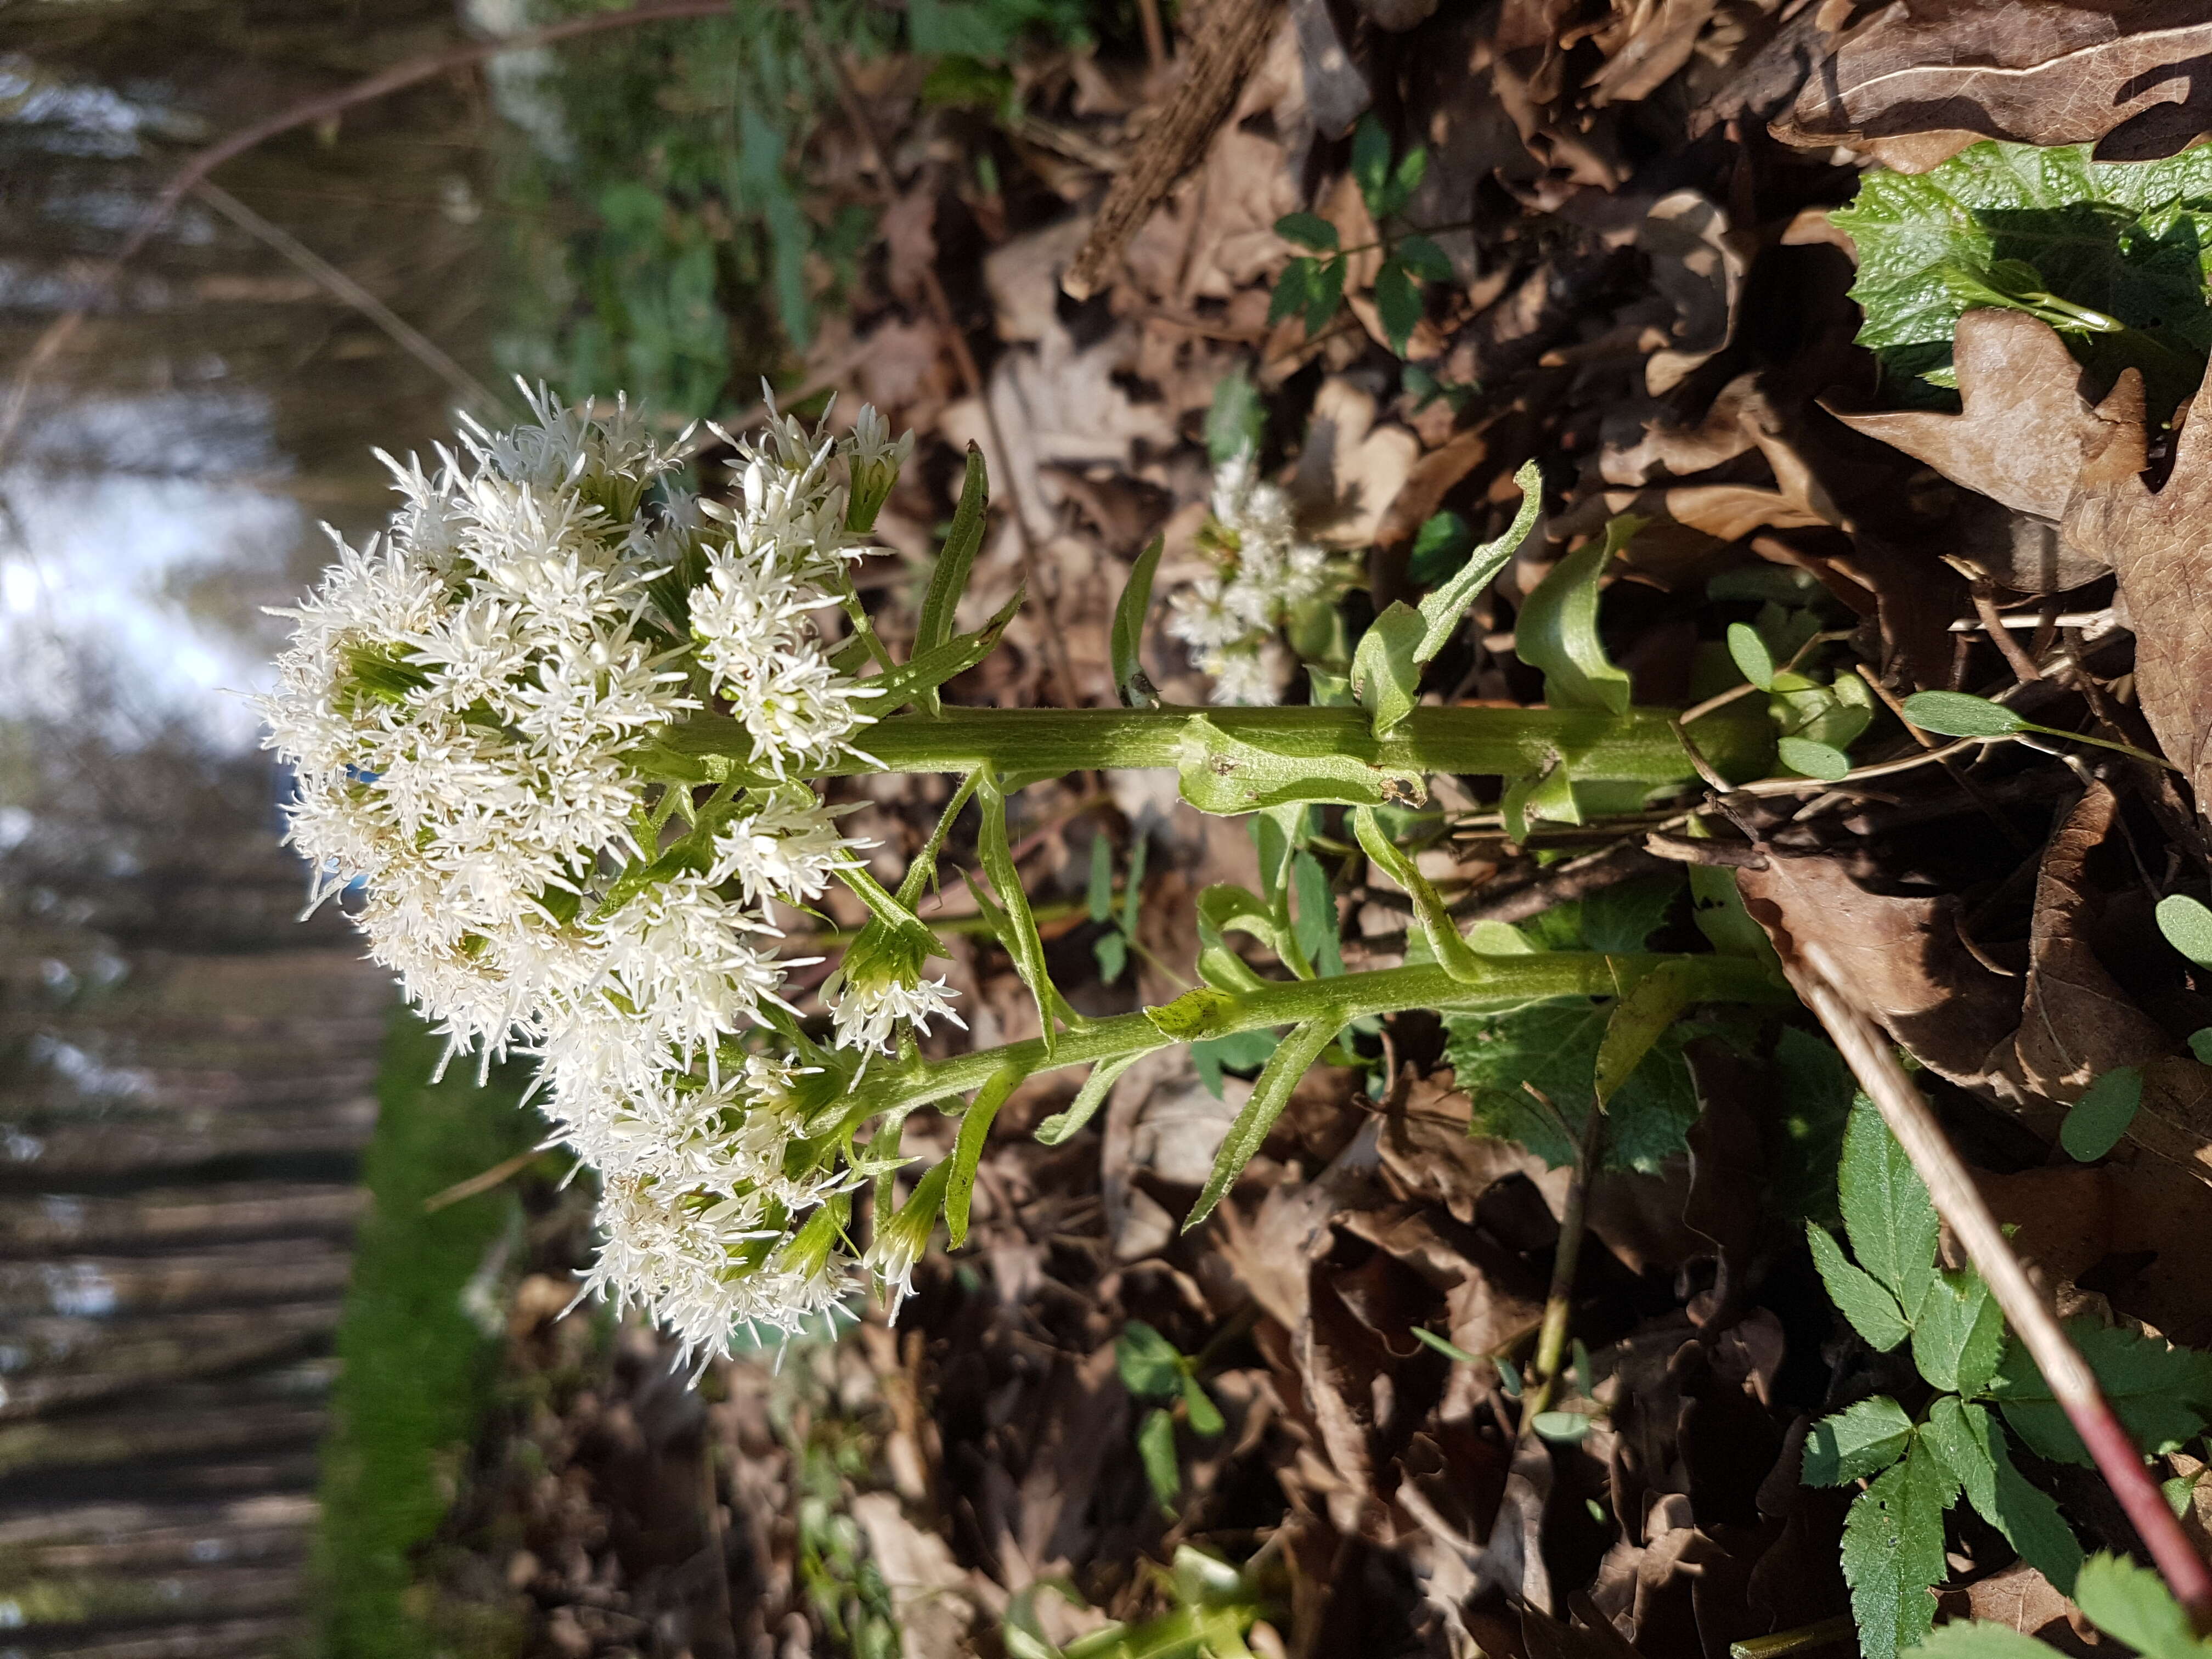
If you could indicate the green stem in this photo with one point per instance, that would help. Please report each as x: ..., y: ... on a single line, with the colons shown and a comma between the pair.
x: 1566, y: 1260
x: 1638, y: 747
x: 1510, y: 982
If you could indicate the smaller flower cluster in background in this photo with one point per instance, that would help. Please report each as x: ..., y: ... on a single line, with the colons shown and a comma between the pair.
x: 1232, y: 619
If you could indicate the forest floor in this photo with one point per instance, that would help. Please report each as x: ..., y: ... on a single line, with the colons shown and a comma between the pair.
x: 1604, y: 261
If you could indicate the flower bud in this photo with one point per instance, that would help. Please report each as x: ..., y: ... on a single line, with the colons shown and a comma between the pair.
x: 902, y: 1237
x: 874, y: 464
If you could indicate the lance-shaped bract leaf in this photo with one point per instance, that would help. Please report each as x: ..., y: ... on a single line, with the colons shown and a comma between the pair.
x: 1020, y: 937
x: 1270, y: 1094
x: 949, y: 580
x: 1961, y: 715
x: 1385, y: 675
x: 917, y: 680
x: 1125, y: 642
x: 1972, y: 1443
x: 1441, y: 611
x: 1640, y: 1019
x: 1453, y: 953
x: 1556, y: 628
x: 893, y: 913
x: 1088, y: 1099
x: 967, y: 1148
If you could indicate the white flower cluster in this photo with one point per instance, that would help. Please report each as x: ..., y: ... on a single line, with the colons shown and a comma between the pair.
x: 1230, y: 618
x: 463, y: 702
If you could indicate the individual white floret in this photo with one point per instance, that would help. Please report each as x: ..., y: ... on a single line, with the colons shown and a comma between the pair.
x: 869, y: 1013
x: 785, y: 846
x: 1251, y: 674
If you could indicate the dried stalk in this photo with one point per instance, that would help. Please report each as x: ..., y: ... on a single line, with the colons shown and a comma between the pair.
x: 1960, y: 1203
x: 1224, y: 49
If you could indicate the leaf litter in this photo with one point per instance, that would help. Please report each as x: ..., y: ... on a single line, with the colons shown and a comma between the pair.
x: 1908, y: 405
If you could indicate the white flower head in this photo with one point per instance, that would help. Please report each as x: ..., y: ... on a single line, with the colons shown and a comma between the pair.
x: 784, y: 846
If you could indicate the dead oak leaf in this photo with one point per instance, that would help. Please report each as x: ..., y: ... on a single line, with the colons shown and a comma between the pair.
x: 2135, y: 80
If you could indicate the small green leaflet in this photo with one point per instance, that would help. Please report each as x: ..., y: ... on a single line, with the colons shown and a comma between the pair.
x: 1893, y: 1551
x: 2162, y: 1394
x: 1805, y: 1138
x: 1861, y: 1440
x: 1814, y: 760
x: 1247, y: 1051
x: 1872, y: 1310
x: 1887, y: 1210
x: 2133, y: 1603
x: 1753, y: 659
x: 2187, y: 926
x: 1448, y: 1350
x: 1150, y: 1366
x: 1317, y: 926
x: 1554, y: 1045
x: 1958, y: 714
x: 1979, y: 1639
x: 1973, y: 1444
x: 1957, y: 1333
x: 1308, y: 230
x: 2096, y: 1122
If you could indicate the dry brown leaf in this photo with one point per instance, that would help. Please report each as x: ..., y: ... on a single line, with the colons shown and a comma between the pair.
x: 1900, y: 959
x: 2076, y: 1024
x: 2018, y: 436
x: 2019, y: 1598
x: 1351, y: 468
x: 1698, y: 265
x: 2154, y: 540
x: 2130, y: 79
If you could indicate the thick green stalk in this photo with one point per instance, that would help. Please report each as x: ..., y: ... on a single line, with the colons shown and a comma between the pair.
x: 1511, y: 982
x: 1638, y: 747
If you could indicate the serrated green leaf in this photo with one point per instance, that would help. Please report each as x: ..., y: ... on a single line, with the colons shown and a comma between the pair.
x: 1894, y: 1552
x: 1886, y: 1210
x: 1425, y: 260
x: 1308, y: 230
x: 2133, y: 1603
x: 1442, y: 610
x: 1554, y: 1045
x: 1271, y: 1093
x: 1126, y: 639
x: 1556, y: 628
x: 2096, y: 1122
x: 2187, y: 926
x: 1958, y: 714
x: 1973, y: 1444
x: 1398, y: 303
x: 1088, y: 1099
x: 1155, y: 1447
x: 2126, y: 239
x: 1150, y: 1366
x: 949, y: 579
x: 1813, y: 760
x: 2162, y: 1394
x: 1957, y: 1333
x: 1753, y: 659
x: 1385, y: 676
x: 1872, y: 1310
x: 1619, y: 919
x: 1858, y: 1441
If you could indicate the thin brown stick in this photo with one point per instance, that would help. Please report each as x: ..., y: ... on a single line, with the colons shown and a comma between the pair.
x: 1960, y: 1202
x: 483, y: 1182
x: 306, y: 113
x: 410, y: 339
x: 1223, y: 52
